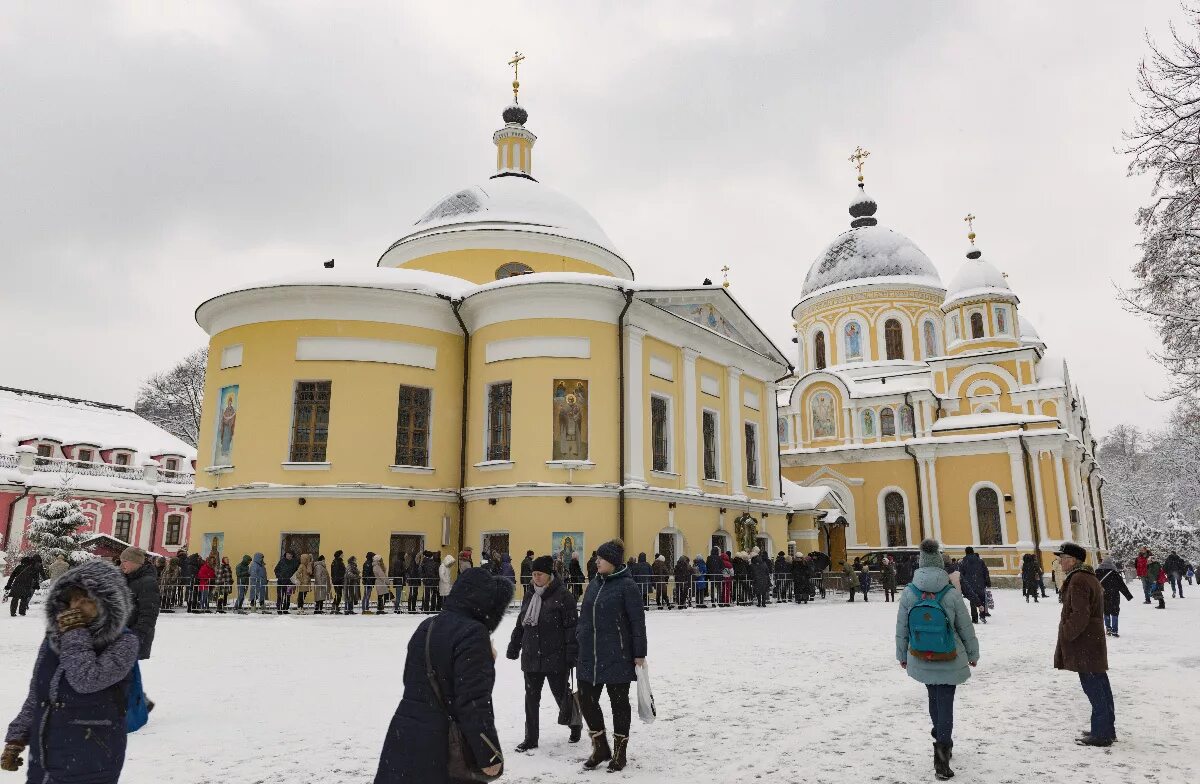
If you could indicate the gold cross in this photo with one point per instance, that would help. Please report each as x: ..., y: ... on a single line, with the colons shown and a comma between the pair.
x: 859, y: 159
x: 516, y: 64
x: 725, y: 272
x: 970, y: 220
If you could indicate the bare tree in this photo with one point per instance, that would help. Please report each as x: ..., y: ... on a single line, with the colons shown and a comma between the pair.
x: 1165, y: 142
x: 172, y: 399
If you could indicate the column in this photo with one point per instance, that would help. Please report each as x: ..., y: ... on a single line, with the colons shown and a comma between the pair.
x: 1039, y: 497
x: 1081, y: 505
x: 935, y: 509
x: 772, y: 405
x: 635, y: 457
x: 847, y: 426
x: 734, y: 431
x: 691, y: 421
x: 1020, y: 497
x: 1060, y: 485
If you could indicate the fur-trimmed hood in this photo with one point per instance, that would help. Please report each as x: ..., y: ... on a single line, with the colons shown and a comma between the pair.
x: 107, y: 585
x: 480, y: 595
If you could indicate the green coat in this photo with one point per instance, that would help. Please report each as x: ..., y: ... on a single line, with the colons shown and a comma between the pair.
x: 931, y: 579
x: 243, y: 571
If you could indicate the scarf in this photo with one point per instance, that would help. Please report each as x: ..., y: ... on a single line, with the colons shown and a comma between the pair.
x: 534, y: 610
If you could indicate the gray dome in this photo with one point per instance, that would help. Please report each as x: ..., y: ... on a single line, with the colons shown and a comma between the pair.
x: 868, y: 252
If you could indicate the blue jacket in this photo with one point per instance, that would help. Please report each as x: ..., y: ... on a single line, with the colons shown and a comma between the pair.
x: 611, y: 629
x: 701, y: 582
x: 258, y: 571
x: 932, y: 579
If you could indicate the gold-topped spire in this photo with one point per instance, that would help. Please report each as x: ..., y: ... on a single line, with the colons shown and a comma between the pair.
x: 859, y: 159
x: 970, y: 221
x: 725, y: 272
x: 516, y: 64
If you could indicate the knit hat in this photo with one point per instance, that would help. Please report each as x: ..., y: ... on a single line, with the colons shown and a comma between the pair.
x: 134, y: 555
x: 612, y: 551
x: 543, y: 564
x: 930, y: 555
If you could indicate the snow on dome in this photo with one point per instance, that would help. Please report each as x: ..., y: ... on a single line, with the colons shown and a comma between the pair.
x: 977, y: 278
x: 863, y: 254
x: 392, y: 279
x: 1029, y: 333
x: 1052, y: 369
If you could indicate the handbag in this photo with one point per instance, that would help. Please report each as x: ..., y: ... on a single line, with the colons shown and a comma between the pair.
x: 646, y: 710
x: 460, y: 762
x: 569, y: 712
x: 137, y: 710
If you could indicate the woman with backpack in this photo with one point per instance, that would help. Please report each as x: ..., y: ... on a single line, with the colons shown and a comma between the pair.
x: 936, y: 645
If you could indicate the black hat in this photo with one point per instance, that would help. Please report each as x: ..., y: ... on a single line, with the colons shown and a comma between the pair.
x: 1073, y: 550
x: 612, y: 551
x: 544, y: 564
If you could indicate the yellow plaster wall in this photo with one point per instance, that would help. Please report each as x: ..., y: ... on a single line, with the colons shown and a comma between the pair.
x: 956, y: 476
x: 868, y: 308
x: 479, y: 265
x: 672, y: 389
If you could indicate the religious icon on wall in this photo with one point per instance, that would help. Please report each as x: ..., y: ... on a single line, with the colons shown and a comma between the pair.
x: 853, y: 341
x: 212, y: 547
x: 1002, y: 320
x: 868, y: 419
x: 570, y: 419
x: 227, y: 403
x: 745, y: 530
x: 564, y: 544
x: 824, y: 425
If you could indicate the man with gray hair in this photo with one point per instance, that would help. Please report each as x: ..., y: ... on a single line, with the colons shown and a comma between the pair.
x: 1081, y: 645
x: 142, y: 579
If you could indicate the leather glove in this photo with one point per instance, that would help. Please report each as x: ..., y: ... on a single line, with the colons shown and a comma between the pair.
x: 10, y: 759
x: 71, y: 619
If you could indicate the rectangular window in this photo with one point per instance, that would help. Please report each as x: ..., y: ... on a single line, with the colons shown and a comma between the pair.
x: 310, y: 421
x: 660, y: 428
x: 83, y: 457
x: 752, y: 455
x: 172, y: 464
x: 174, y: 526
x: 121, y: 461
x: 499, y: 427
x: 712, y: 457
x: 412, y: 426
x: 122, y: 525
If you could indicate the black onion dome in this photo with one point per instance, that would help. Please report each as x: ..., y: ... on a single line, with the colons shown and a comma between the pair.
x: 862, y: 209
x: 515, y: 114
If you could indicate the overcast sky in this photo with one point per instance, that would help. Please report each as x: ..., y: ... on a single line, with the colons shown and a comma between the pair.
x: 155, y: 156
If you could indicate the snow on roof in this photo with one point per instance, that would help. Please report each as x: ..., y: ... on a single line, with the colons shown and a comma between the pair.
x: 1051, y: 369
x: 386, y: 278
x: 82, y: 485
x: 995, y: 419
x: 801, y: 498
x: 977, y: 277
x: 25, y: 415
x: 1029, y: 333
x: 869, y: 252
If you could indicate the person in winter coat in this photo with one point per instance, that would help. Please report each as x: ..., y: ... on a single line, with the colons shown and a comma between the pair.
x: 258, y: 582
x: 322, y: 584
x: 224, y: 584
x: 700, y: 579
x: 642, y: 576
x: 337, y: 576
x: 660, y: 573
x: 464, y: 561
x: 189, y: 571
x: 205, y: 575
x: 242, y: 573
x: 683, y: 581
x: 396, y: 579
x: 1176, y: 568
x: 413, y: 578
x: 1081, y: 646
x: 73, y: 718
x: 368, y: 581
x: 727, y: 573
x: 864, y: 580
x: 142, y: 580
x: 887, y: 576
x: 285, y: 569
x: 526, y: 570
x: 1141, y: 565
x: 506, y: 570
x: 429, y: 579
x: 453, y: 651
x: 169, y: 584
x: 445, y: 580
x: 381, y: 583
x: 714, y: 569
x: 303, y: 580
x: 58, y: 566
x: 575, y: 575
x: 1057, y: 575
x: 783, y: 577
x: 801, y: 578
x: 22, y: 584
x: 544, y: 640
x: 849, y: 579
x: 760, y: 572
x: 1157, y: 577
x: 1030, y: 577
x: 353, y: 586
x: 940, y: 674
x: 591, y: 567
x: 975, y: 579
x: 1114, y: 586
x: 612, y: 645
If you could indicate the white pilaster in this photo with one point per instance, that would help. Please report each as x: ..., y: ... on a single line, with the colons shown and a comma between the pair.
x: 772, y: 406
x: 734, y: 415
x: 1020, y: 498
x: 1081, y: 506
x: 691, y: 421
x: 1039, y: 497
x: 635, y: 458
x: 934, y: 507
x: 1060, y: 485
x: 847, y: 426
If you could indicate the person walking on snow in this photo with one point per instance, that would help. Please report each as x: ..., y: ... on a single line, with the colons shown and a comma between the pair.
x: 1114, y: 586
x: 1156, y: 576
x: 22, y: 584
x: 1176, y: 568
x: 1081, y: 646
x: 142, y: 580
x: 864, y: 580
x: 1030, y: 576
x: 58, y: 566
x: 976, y: 579
x: 849, y: 581
x: 887, y: 576
x: 1141, y: 565
x: 942, y: 671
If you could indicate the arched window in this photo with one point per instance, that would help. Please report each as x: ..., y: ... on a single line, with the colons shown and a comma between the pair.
x: 893, y: 513
x: 930, y: 334
x: 819, y: 351
x: 987, y: 512
x: 511, y: 269
x: 852, y: 343
x: 976, y: 325
x: 868, y: 420
x: 887, y: 422
x: 893, y: 338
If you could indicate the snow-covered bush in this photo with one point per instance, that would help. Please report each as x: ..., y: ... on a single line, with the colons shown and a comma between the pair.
x: 54, y: 528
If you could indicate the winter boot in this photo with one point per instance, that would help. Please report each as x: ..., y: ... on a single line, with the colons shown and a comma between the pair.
x: 941, y: 762
x: 527, y: 745
x: 1162, y: 605
x: 576, y: 734
x: 620, y: 746
x: 600, y: 750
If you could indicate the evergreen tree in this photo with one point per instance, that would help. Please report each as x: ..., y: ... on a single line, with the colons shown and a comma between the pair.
x: 54, y: 528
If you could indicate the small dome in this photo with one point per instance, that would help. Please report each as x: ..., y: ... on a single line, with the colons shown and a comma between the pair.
x: 515, y: 114
x: 977, y: 278
x: 862, y: 209
x: 1029, y: 333
x: 867, y: 253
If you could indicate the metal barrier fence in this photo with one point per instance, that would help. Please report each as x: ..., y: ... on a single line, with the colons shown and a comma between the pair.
x: 420, y: 597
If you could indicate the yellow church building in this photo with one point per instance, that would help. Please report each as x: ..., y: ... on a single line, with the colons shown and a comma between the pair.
x: 499, y: 382
x: 932, y: 410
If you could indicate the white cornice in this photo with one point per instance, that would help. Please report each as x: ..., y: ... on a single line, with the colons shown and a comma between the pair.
x: 357, y: 491
x: 542, y: 300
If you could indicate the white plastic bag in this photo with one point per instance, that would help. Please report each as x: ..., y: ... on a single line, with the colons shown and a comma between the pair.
x: 645, y: 697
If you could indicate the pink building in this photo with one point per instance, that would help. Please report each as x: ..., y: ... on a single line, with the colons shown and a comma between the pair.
x: 130, y: 476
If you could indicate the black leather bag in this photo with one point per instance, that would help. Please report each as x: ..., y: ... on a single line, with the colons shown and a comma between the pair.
x: 569, y: 713
x: 461, y: 765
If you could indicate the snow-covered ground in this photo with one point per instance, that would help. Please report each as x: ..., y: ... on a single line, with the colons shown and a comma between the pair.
x: 781, y: 694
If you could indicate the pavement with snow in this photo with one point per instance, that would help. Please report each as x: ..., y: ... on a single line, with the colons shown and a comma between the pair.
x: 781, y: 694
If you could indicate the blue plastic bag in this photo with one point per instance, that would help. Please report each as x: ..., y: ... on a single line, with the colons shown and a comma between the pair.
x: 137, y: 712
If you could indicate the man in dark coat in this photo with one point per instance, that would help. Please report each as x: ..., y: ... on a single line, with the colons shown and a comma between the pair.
x: 760, y: 571
x: 526, y: 570
x: 783, y: 577
x: 284, y: 570
x: 1031, y: 575
x: 1114, y: 587
x: 544, y: 640
x: 1176, y: 568
x: 591, y: 567
x: 661, y: 573
x: 975, y: 579
x: 143, y: 585
x: 1081, y: 645
x: 801, y: 574
x: 455, y: 648
x: 642, y: 575
x: 22, y: 583
x: 429, y: 580
x: 337, y: 575
x: 715, y: 568
x: 188, y: 569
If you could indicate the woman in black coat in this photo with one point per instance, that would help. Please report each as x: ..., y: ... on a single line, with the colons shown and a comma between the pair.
x: 760, y: 571
x: 544, y: 639
x: 1114, y: 586
x: 23, y: 581
x: 1030, y: 576
x: 612, y: 643
x: 415, y: 750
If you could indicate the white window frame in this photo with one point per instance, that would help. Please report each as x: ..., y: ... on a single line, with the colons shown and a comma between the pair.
x: 983, y: 317
x: 670, y: 426
x: 716, y: 445
x: 758, y: 463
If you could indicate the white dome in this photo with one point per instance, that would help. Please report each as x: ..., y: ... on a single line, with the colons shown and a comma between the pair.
x: 867, y: 254
x: 977, y: 278
x: 516, y: 205
x: 1029, y: 333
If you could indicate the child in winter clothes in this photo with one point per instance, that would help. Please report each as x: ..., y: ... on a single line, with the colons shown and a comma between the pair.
x: 864, y: 580
x: 73, y: 718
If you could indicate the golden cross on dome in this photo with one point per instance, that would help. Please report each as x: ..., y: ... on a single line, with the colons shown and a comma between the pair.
x: 859, y: 159
x: 970, y: 220
x: 725, y: 272
x: 516, y: 64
